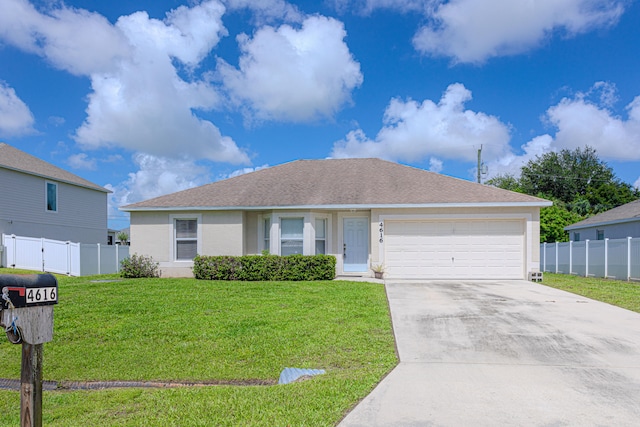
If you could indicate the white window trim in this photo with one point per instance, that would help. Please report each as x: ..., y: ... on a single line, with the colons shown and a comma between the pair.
x: 46, y: 196
x: 172, y: 236
x: 327, y: 232
x: 261, y: 234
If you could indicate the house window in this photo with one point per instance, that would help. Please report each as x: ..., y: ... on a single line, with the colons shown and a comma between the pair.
x: 186, y: 239
x: 266, y: 233
x: 52, y: 197
x: 599, y: 234
x: 576, y: 237
x: 321, y: 236
x: 291, y: 236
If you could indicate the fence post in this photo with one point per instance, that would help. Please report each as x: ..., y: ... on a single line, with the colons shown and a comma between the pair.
x: 586, y: 252
x: 42, y: 253
x: 570, y: 256
x: 628, y: 259
x: 556, y: 257
x: 544, y: 256
x: 117, y: 258
x: 13, y: 264
x: 606, y: 258
x: 99, y: 258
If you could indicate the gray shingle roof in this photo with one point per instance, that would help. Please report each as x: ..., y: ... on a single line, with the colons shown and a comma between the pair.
x: 12, y: 158
x: 336, y: 182
x: 624, y: 213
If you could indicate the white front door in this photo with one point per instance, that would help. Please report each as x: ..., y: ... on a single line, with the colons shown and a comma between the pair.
x: 355, y: 245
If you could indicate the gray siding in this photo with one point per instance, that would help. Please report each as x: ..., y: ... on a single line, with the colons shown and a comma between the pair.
x: 81, y: 215
x: 613, y: 231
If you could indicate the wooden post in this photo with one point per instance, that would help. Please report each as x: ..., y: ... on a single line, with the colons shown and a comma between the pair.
x: 31, y: 386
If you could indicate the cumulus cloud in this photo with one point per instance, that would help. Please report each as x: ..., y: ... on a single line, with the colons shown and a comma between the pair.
x: 475, y: 30
x: 15, y: 116
x: 435, y: 165
x: 637, y: 183
x: 291, y: 74
x: 82, y: 161
x: 243, y: 171
x: 71, y: 39
x: 156, y: 176
x: 139, y: 99
x: 585, y: 119
x: 265, y: 11
x: 412, y: 131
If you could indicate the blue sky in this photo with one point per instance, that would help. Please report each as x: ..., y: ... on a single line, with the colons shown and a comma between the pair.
x: 151, y: 97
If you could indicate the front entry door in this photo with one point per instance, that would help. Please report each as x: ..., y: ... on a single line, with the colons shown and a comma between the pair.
x: 355, y: 246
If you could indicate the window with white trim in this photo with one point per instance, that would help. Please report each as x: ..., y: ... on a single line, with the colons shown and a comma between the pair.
x: 321, y: 236
x: 51, y: 196
x: 291, y: 236
x: 186, y: 239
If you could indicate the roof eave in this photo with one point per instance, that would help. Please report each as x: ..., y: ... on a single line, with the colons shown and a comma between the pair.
x: 538, y: 204
x: 51, y: 178
x: 601, y: 223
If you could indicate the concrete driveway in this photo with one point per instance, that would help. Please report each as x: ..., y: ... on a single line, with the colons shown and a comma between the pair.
x: 505, y: 353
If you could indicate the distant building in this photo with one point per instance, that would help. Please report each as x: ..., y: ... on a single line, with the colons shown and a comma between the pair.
x: 616, y: 223
x: 38, y: 199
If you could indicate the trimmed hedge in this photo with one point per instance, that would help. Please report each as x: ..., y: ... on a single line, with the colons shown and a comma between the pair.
x: 265, y: 267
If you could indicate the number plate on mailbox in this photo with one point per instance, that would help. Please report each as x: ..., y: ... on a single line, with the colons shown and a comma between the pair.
x: 28, y: 290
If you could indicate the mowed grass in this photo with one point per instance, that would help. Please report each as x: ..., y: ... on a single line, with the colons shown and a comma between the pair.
x: 189, y: 330
x: 615, y: 292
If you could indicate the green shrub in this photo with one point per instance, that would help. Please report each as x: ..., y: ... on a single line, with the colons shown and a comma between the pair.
x: 265, y: 267
x: 137, y: 266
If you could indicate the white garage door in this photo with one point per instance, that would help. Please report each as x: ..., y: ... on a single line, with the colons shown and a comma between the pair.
x: 483, y: 249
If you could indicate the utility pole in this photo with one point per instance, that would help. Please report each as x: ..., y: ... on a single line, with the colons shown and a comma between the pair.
x: 479, y: 164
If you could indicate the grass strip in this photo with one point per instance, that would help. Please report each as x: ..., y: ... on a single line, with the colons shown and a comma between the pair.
x: 615, y: 292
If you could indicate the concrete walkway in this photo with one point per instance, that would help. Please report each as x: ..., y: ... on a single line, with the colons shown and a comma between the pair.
x: 505, y: 353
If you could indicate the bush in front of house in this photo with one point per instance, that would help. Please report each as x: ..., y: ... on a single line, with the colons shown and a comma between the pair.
x: 137, y: 266
x: 265, y: 267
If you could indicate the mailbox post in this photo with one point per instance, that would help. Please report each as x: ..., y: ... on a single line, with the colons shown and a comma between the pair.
x: 26, y: 309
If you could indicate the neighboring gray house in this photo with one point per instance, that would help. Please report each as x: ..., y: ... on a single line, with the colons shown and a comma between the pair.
x: 38, y: 199
x: 418, y: 224
x: 616, y: 223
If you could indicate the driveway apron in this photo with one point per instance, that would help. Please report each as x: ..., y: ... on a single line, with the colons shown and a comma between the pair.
x: 505, y: 353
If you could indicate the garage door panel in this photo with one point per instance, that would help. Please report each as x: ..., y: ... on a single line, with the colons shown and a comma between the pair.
x: 454, y: 249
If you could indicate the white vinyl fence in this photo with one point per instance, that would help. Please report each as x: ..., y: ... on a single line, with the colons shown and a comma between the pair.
x: 54, y: 256
x: 615, y: 259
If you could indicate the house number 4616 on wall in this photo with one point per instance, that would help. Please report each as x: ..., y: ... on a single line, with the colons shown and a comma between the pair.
x: 381, y: 232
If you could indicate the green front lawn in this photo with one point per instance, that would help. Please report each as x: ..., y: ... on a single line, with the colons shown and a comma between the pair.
x: 615, y: 292
x: 201, y: 331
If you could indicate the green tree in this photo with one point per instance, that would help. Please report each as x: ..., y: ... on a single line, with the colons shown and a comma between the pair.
x: 578, y: 182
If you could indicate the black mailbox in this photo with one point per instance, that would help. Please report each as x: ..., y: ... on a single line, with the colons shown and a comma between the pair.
x: 28, y: 290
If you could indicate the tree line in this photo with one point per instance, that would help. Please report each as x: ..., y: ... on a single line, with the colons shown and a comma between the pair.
x: 577, y: 182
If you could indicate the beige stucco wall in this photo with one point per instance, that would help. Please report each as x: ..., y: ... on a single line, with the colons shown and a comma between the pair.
x: 221, y: 233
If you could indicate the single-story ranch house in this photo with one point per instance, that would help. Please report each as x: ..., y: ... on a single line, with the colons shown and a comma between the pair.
x: 365, y: 212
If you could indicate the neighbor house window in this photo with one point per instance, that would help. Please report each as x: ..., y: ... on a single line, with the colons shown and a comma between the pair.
x: 599, y: 234
x: 321, y: 236
x: 186, y: 239
x: 291, y: 236
x: 576, y: 237
x: 52, y: 197
x: 266, y: 233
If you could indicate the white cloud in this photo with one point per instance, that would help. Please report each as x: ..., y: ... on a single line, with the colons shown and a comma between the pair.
x: 637, y: 183
x: 583, y: 120
x: 267, y: 10
x: 71, y: 39
x: 435, y: 165
x: 243, y: 171
x: 580, y: 122
x: 15, y: 117
x: 82, y: 161
x: 156, y: 176
x: 475, y: 30
x: 293, y: 74
x: 139, y: 101
x: 413, y: 131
